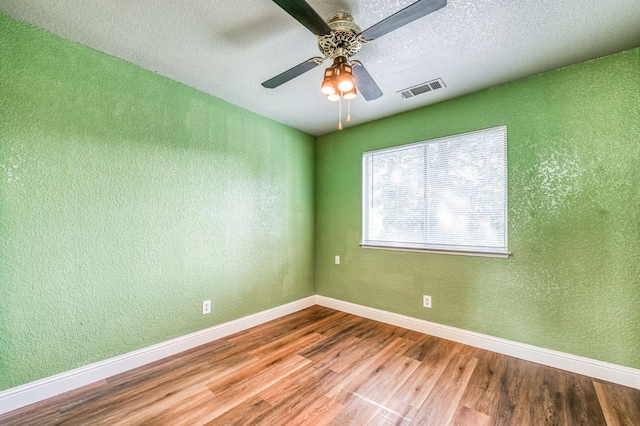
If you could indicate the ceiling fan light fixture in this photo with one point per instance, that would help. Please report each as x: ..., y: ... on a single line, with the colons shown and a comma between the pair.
x: 334, y: 97
x: 345, y: 78
x: 328, y: 86
x: 351, y: 94
x: 346, y: 84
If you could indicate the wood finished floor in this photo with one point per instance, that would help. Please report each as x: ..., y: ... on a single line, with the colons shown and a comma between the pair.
x: 324, y: 367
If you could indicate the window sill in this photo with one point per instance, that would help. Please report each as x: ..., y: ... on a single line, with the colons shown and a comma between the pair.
x: 497, y: 254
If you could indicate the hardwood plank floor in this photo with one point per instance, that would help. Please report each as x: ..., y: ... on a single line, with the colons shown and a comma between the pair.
x: 324, y: 367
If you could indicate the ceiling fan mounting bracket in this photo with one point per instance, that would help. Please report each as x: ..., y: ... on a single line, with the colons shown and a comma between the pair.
x: 343, y: 22
x: 344, y: 39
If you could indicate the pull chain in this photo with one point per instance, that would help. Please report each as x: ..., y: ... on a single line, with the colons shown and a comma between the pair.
x: 348, y: 110
x: 340, y: 113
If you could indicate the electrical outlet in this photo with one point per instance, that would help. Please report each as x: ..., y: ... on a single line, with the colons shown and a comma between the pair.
x: 337, y: 260
x: 206, y: 307
x: 426, y: 301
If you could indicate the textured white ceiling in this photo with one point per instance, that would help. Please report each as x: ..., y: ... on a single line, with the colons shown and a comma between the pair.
x: 227, y: 48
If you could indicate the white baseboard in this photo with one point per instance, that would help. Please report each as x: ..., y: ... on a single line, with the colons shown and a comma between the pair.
x: 21, y: 396
x: 30, y: 393
x: 576, y: 364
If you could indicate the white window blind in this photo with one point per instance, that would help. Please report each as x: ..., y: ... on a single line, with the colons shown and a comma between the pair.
x: 447, y: 194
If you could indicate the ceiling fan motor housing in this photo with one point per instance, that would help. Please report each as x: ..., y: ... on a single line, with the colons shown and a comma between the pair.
x: 343, y: 40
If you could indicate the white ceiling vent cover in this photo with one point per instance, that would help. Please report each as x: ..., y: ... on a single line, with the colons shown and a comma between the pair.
x: 429, y: 86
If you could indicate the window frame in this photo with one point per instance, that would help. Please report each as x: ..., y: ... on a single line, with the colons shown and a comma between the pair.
x: 432, y: 247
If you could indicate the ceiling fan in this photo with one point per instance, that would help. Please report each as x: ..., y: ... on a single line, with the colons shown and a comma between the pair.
x: 341, y: 38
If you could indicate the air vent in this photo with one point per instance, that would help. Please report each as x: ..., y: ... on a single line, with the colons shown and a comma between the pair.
x: 429, y: 86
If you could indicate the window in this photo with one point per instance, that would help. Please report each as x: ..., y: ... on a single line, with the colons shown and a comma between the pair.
x: 444, y: 195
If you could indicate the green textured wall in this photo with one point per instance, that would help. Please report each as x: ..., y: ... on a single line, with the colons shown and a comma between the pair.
x: 126, y: 199
x: 573, y: 282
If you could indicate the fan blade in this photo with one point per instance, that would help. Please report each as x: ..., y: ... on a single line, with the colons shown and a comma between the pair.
x: 292, y: 73
x: 403, y: 17
x: 365, y: 84
x: 305, y: 14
